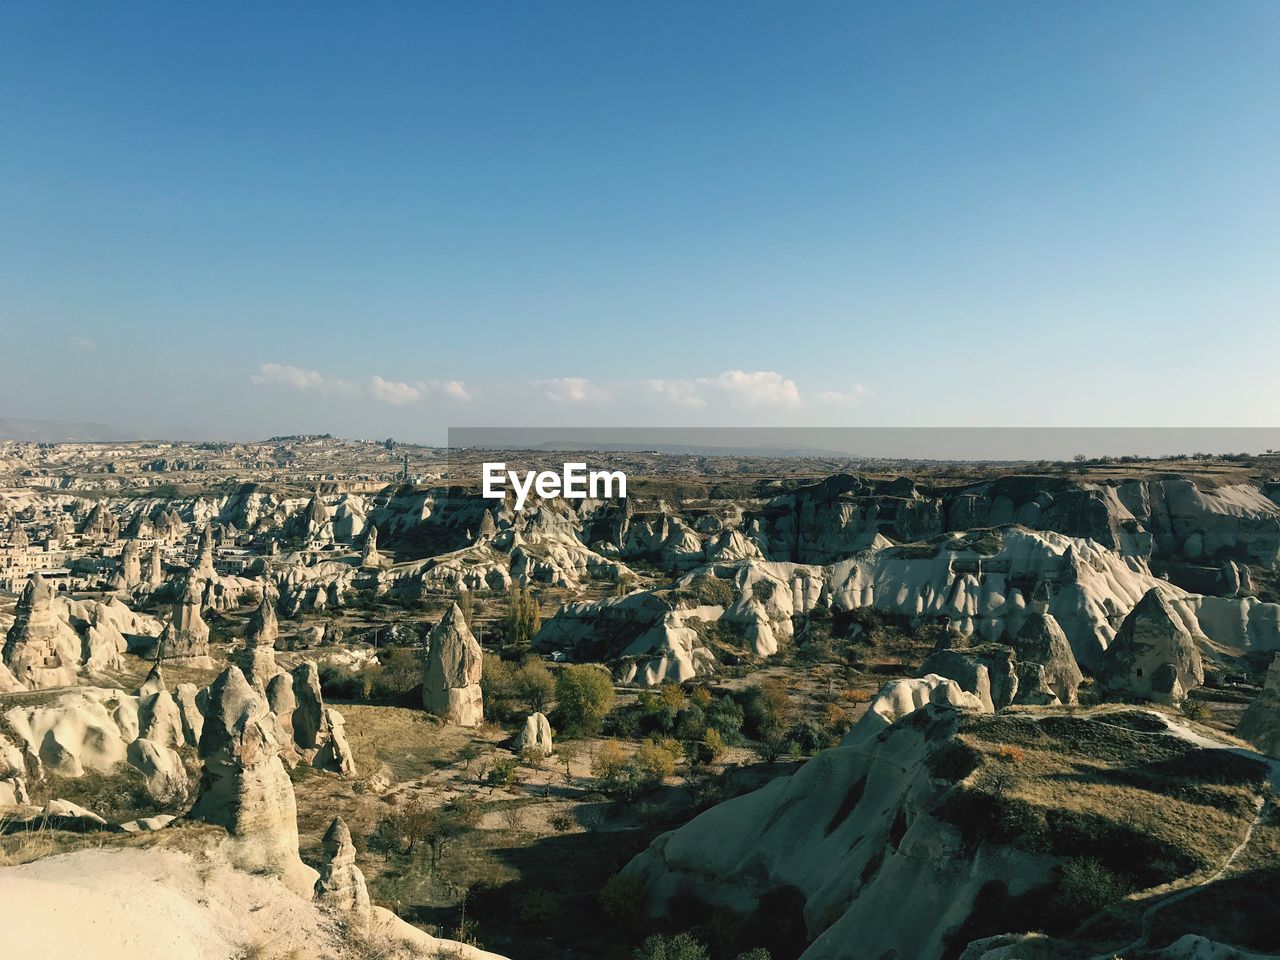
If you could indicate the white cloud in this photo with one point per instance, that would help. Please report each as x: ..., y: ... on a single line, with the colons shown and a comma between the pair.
x: 453, y: 389
x: 571, y: 390
x: 850, y: 398
x: 83, y: 343
x: 290, y: 376
x: 736, y: 388
x: 683, y: 393
x: 395, y: 392
x: 732, y: 389
x: 758, y: 388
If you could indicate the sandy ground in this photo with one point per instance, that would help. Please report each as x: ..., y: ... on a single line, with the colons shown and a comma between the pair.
x: 161, y: 904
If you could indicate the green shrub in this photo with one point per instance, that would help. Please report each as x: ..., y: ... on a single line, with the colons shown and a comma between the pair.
x: 534, y: 686
x: 498, y: 686
x: 502, y: 772
x: 767, y: 709
x: 584, y: 695
x: 680, y: 947
x: 538, y: 906
x: 1085, y: 886
x: 622, y: 898
x: 726, y: 715
x: 953, y: 761
x: 399, y: 679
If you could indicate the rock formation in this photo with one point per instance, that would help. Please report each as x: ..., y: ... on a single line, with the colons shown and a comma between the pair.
x: 370, y: 557
x: 1041, y: 641
x: 335, y: 752
x: 307, y: 717
x: 244, y: 786
x: 451, y: 678
x: 203, y: 567
x: 130, y: 565
x: 1260, y: 724
x: 901, y: 697
x: 190, y: 699
x: 535, y: 736
x: 153, y: 683
x: 258, y: 659
x: 38, y: 651
x: 341, y: 885
x: 282, y: 702
x: 186, y: 637
x: 317, y: 529
x: 155, y: 570
x: 988, y: 672
x: 101, y: 524
x: 1153, y: 656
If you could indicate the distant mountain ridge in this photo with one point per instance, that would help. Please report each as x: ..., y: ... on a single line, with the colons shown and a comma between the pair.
x: 58, y: 431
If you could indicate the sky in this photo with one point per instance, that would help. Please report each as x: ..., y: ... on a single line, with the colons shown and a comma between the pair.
x: 237, y: 220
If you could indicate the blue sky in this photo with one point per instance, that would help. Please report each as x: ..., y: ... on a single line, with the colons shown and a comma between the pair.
x: 383, y: 219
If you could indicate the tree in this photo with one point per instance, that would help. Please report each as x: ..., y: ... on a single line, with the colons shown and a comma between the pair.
x: 534, y: 685
x: 523, y: 616
x: 1086, y: 886
x: 609, y: 761
x: 400, y: 676
x: 584, y: 693
x: 655, y: 762
x: 768, y: 709
x: 467, y: 607
x: 680, y: 947
x: 622, y: 898
x: 436, y: 827
x: 497, y: 684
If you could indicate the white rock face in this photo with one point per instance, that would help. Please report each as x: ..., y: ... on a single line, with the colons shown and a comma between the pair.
x: 88, y: 729
x: 155, y: 570
x: 71, y: 811
x: 153, y: 683
x: 967, y: 580
x: 41, y: 651
x: 92, y: 729
x: 203, y: 568
x: 335, y: 753
x: 988, y: 672
x: 901, y: 697
x: 186, y: 637
x: 258, y: 659
x: 1041, y: 641
x: 244, y: 786
x: 307, y: 718
x: 370, y: 557
x: 535, y: 735
x: 188, y: 698
x: 1153, y: 655
x: 451, y: 679
x: 130, y: 565
x: 341, y: 885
